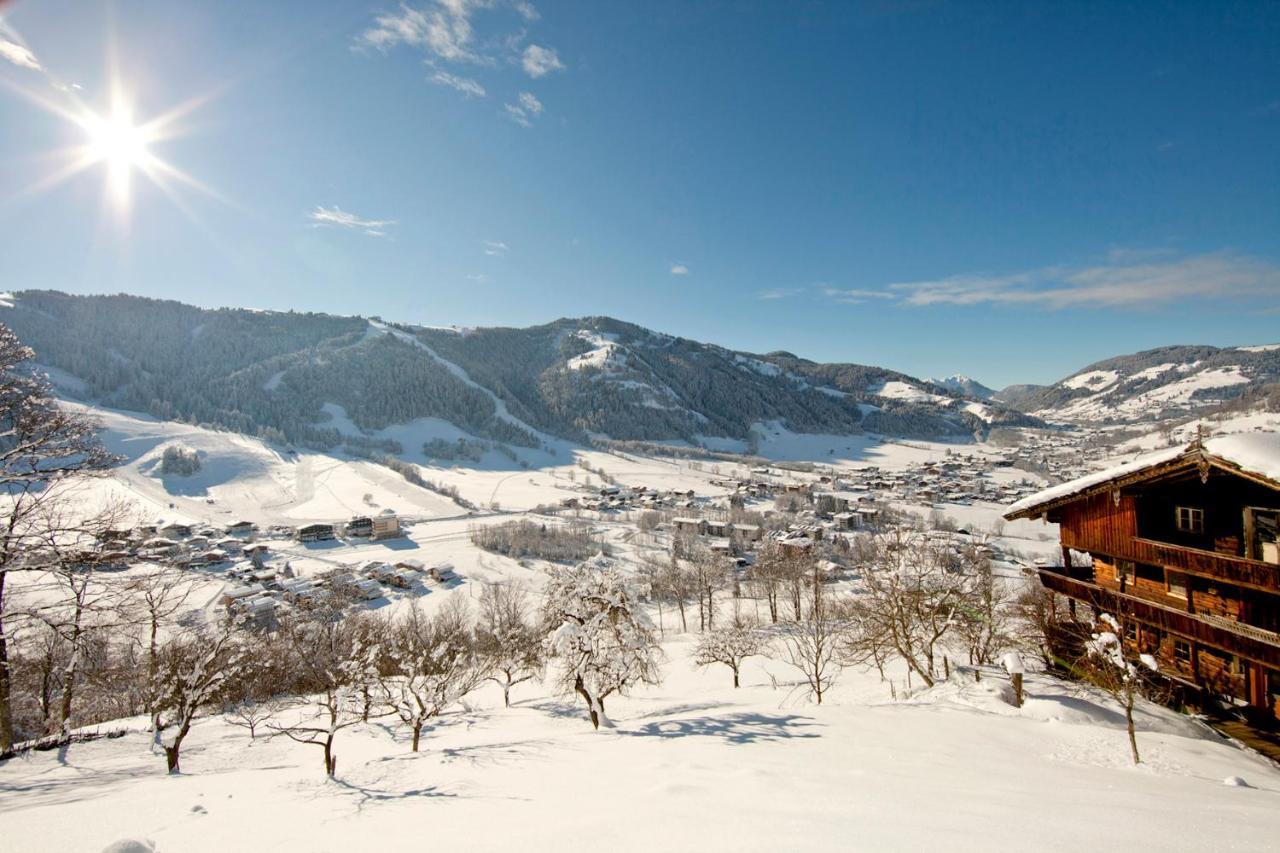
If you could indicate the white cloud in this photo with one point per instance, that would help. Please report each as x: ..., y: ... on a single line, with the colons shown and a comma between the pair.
x: 342, y: 219
x: 478, y: 278
x: 18, y: 55
x: 494, y: 247
x: 465, y: 85
x: 442, y: 28
x: 530, y: 104
x: 679, y: 269
x: 779, y: 292
x: 538, y: 61
x: 526, y: 10
x: 1124, y: 280
x: 525, y: 110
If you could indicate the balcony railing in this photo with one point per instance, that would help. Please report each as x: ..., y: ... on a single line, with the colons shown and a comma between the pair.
x: 1247, y: 641
x: 1227, y: 567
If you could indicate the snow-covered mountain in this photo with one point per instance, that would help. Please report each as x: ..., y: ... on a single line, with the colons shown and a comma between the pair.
x: 325, y: 381
x: 1156, y: 384
x: 965, y: 386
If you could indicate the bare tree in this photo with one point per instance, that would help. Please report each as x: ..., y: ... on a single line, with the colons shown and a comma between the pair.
x: 1107, y: 665
x: 321, y: 654
x: 706, y: 573
x: 731, y: 645
x: 507, y: 639
x: 767, y: 575
x: 192, y: 670
x: 1041, y: 623
x: 986, y: 622
x: 602, y: 637
x: 812, y: 643
x: 45, y: 449
x: 433, y: 663
x: 907, y: 603
x: 151, y: 600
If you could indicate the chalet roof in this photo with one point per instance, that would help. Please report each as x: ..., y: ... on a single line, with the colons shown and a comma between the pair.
x: 1255, y: 454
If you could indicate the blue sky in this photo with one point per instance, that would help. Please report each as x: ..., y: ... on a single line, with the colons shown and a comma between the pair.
x: 1008, y: 190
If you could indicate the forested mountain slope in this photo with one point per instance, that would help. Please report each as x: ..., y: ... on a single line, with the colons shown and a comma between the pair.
x: 283, y: 375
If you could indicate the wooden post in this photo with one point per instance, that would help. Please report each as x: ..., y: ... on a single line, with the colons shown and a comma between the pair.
x: 1017, y: 688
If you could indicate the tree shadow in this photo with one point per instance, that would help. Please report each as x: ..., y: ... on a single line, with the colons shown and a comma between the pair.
x: 487, y: 754
x: 372, y: 796
x: 560, y: 710
x: 742, y: 728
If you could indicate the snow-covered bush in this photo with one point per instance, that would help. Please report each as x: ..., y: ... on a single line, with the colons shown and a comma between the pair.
x: 179, y: 461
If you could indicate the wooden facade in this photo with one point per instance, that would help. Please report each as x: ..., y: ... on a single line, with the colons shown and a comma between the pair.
x: 1186, y: 551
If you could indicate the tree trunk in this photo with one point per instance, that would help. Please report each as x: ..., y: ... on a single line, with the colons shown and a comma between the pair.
x: 1133, y: 737
x: 6, y: 713
x: 171, y: 751
x: 417, y: 731
x: 330, y: 760
x: 684, y: 626
x: 735, y: 675
x: 591, y: 705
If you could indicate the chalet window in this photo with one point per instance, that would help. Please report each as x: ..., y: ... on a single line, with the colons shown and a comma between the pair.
x: 1176, y: 583
x: 1182, y: 651
x: 1125, y: 572
x: 1131, y: 632
x: 1190, y: 519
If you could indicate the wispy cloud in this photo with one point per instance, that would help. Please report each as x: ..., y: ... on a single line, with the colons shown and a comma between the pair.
x: 779, y: 292
x: 494, y: 248
x: 478, y: 278
x: 340, y: 218
x: 451, y: 33
x: 465, y: 85
x: 526, y: 108
x: 1124, y: 280
x: 679, y: 269
x: 855, y: 295
x: 538, y: 61
x: 18, y: 55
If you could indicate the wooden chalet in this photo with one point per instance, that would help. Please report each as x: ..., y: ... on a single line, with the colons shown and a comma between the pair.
x: 1182, y: 544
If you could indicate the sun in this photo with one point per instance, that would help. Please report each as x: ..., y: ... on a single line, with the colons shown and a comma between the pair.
x: 120, y: 145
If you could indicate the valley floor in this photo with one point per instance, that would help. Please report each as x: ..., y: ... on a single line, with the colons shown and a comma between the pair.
x: 692, y: 764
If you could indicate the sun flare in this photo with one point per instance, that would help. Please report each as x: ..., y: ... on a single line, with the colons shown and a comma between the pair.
x: 119, y: 145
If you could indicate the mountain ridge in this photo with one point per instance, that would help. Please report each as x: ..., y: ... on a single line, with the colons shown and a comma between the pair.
x: 327, y: 380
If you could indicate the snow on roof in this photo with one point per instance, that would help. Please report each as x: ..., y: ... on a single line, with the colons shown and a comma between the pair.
x: 1257, y: 452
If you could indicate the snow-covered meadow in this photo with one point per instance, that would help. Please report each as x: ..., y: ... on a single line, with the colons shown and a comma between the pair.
x: 692, y: 763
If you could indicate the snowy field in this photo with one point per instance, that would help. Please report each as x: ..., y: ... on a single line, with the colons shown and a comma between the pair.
x: 693, y: 763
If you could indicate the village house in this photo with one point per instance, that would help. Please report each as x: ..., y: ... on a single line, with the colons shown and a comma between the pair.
x: 361, y: 526
x: 386, y: 525
x: 1182, y: 550
x: 316, y: 532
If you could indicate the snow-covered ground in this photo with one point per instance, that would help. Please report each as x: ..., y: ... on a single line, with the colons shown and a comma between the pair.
x: 693, y: 763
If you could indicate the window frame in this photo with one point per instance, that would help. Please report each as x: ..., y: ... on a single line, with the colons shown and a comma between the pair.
x: 1179, y: 658
x: 1194, y: 519
x: 1168, y: 583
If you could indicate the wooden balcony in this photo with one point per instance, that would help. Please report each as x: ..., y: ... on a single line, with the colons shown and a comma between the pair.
x: 1240, y: 571
x: 1246, y: 641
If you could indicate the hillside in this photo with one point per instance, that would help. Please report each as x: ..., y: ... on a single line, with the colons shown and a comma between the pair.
x: 329, y: 382
x: 955, y: 768
x: 1157, y: 384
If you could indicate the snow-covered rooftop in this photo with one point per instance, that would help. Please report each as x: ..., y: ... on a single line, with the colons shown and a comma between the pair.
x: 1256, y: 452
